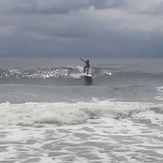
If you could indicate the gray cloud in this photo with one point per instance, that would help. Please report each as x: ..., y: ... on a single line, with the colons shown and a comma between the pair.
x: 115, y: 28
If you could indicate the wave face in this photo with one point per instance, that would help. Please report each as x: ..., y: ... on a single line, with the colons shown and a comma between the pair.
x: 65, y: 76
x: 20, y: 85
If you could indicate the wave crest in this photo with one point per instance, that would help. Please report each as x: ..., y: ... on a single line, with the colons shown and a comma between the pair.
x: 69, y: 113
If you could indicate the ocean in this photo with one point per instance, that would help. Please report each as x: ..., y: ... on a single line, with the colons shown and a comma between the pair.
x: 50, y: 114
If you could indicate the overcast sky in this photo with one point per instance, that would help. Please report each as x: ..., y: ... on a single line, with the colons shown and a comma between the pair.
x: 113, y: 28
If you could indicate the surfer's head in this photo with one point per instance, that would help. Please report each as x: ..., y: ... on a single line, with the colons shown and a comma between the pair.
x: 87, y: 60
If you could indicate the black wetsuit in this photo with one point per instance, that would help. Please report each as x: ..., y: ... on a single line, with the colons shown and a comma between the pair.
x: 87, y: 66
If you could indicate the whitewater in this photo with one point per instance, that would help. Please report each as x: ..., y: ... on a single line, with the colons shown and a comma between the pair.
x: 48, y: 113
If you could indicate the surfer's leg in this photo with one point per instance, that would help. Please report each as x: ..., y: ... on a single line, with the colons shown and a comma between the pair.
x: 85, y: 68
x: 88, y: 69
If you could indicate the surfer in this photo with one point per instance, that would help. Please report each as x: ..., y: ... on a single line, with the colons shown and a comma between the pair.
x: 87, y: 66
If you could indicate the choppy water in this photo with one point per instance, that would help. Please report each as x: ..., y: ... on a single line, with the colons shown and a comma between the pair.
x: 48, y: 113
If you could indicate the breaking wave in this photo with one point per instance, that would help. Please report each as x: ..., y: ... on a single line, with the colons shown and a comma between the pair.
x: 63, y: 113
x: 69, y: 75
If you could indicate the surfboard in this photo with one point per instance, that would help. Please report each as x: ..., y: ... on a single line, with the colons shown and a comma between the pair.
x: 88, y: 80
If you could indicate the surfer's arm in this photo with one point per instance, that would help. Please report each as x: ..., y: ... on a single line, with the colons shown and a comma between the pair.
x: 82, y: 60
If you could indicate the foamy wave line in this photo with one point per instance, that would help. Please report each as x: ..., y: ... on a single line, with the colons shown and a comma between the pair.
x: 45, y: 73
x: 66, y: 113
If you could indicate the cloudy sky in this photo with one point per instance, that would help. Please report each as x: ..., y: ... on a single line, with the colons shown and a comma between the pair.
x: 113, y: 28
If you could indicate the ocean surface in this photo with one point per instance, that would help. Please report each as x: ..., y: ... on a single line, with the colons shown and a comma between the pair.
x: 49, y: 113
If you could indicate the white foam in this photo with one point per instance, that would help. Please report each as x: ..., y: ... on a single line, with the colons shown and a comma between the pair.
x: 77, y: 72
x: 160, y: 92
x: 80, y: 68
x: 160, y: 89
x: 103, y: 131
x: 76, y: 76
x: 65, y: 113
